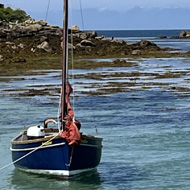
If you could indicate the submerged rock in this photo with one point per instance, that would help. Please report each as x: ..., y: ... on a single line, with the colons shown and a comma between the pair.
x: 163, y: 37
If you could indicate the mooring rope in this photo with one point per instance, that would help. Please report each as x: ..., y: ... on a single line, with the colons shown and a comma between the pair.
x: 6, y: 166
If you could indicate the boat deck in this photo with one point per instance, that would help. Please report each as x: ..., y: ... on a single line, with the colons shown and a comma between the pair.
x: 49, y: 133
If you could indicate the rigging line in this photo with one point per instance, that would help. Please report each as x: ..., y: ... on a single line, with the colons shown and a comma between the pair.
x: 58, y: 114
x: 81, y: 12
x: 47, y: 10
x: 72, y: 60
x: 28, y: 153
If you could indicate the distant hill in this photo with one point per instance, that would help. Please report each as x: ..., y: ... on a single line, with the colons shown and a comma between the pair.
x: 134, y: 19
x: 10, y: 15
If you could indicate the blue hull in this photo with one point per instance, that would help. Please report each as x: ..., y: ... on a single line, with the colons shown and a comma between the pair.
x: 56, y: 157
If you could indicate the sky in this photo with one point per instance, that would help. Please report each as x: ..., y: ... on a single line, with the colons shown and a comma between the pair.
x: 111, y: 14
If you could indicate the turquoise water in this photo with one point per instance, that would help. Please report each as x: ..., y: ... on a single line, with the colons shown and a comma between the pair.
x: 146, y: 131
x: 146, y: 141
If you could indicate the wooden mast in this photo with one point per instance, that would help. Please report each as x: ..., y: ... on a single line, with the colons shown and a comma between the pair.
x: 64, y: 62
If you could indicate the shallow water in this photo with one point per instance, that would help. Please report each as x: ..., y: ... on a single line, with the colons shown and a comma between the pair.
x: 146, y: 132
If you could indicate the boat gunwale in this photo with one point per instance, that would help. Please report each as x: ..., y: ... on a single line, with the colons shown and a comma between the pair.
x: 15, y: 140
x: 35, y: 148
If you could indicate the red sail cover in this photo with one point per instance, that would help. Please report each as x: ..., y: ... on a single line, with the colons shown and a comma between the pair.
x: 71, y: 132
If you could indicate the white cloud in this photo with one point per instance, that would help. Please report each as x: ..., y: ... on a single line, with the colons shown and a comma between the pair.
x: 129, y: 4
x: 99, y: 4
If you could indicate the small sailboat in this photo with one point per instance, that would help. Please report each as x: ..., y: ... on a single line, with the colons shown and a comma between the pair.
x: 63, y: 151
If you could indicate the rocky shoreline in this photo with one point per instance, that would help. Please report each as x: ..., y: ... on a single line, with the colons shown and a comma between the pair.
x: 34, y: 38
x: 184, y: 34
x: 37, y: 45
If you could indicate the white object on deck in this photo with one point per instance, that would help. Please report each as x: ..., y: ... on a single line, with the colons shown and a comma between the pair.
x: 36, y: 131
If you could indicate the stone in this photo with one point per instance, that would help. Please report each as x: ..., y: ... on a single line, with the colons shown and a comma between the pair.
x: 92, y: 34
x: 163, y: 37
x: 43, y: 38
x: 30, y: 21
x: 182, y: 34
x: 87, y: 43
x: 41, y: 22
x: 100, y: 37
x: 33, y: 50
x: 136, y: 52
x: 146, y: 43
x: 79, y: 45
x: 33, y: 27
x: 11, y: 45
x: 45, y: 46
x: 21, y: 46
x: 1, y: 58
x: 75, y: 27
x: 83, y: 36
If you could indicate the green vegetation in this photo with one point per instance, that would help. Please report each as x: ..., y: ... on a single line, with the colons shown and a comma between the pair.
x: 9, y: 15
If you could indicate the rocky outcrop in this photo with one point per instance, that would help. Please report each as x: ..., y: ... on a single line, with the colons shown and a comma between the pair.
x: 29, y: 28
x: 37, y: 37
x: 184, y: 34
x: 146, y: 43
x: 163, y: 37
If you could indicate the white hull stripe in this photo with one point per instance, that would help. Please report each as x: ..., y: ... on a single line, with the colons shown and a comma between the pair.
x: 62, y: 173
x: 49, y: 146
x: 41, y: 147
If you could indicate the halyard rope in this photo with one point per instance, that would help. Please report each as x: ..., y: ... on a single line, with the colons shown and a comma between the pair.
x: 6, y: 166
x: 58, y: 113
x: 72, y: 61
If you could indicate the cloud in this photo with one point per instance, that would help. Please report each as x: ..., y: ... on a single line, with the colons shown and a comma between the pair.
x: 124, y: 5
x: 119, y: 5
x: 119, y: 14
x: 136, y: 18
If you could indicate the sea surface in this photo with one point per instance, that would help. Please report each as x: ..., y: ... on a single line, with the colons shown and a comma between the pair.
x: 146, y: 132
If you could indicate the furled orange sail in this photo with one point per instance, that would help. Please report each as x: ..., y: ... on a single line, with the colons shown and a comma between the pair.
x: 72, y: 126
